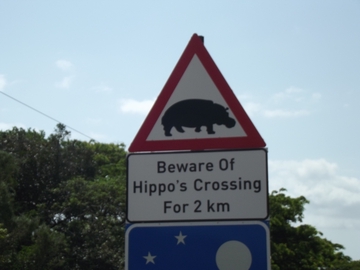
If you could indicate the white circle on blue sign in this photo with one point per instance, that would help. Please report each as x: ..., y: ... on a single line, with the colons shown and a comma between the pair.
x: 233, y: 255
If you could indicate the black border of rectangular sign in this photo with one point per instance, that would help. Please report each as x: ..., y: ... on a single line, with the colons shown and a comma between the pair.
x: 187, y: 152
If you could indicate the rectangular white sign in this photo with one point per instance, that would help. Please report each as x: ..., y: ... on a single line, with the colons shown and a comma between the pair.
x: 215, y: 185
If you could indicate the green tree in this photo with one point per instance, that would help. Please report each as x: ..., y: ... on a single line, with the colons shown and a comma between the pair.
x: 7, y: 187
x: 30, y: 245
x: 92, y: 208
x: 354, y: 265
x: 299, y: 246
x: 61, y: 201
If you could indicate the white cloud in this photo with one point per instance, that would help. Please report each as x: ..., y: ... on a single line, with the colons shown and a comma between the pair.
x: 134, y: 106
x: 3, y: 82
x: 291, y: 103
x: 65, y: 83
x: 295, y: 94
x: 292, y: 93
x: 334, y: 198
x: 292, y: 90
x: 64, y: 64
x: 316, y: 96
x: 103, y: 88
x: 285, y: 113
x: 252, y: 108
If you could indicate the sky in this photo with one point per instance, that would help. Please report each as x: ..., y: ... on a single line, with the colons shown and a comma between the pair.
x: 98, y: 66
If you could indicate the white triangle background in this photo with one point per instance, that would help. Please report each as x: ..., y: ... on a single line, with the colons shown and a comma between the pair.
x: 196, y: 83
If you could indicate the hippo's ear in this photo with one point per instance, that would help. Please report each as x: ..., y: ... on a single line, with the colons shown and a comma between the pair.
x: 226, y: 109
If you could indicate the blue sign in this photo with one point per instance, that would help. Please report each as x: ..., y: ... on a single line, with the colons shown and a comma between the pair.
x: 207, y: 245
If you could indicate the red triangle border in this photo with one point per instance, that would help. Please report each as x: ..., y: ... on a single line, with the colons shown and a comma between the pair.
x: 253, y: 138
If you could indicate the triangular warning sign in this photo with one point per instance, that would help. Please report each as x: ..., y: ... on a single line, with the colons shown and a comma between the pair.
x: 196, y: 110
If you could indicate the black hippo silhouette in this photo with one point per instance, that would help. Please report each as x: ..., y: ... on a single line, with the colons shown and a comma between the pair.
x: 195, y: 113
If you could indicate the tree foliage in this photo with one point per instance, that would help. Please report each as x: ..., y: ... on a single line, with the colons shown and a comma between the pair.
x: 62, y: 201
x: 299, y: 246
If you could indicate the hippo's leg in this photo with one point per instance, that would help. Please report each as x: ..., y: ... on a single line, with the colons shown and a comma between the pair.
x: 209, y: 129
x: 198, y: 129
x: 180, y: 129
x: 167, y: 131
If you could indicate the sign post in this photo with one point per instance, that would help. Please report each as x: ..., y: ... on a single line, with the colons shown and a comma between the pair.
x: 197, y: 181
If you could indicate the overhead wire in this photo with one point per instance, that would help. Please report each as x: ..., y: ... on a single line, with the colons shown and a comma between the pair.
x: 48, y: 116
